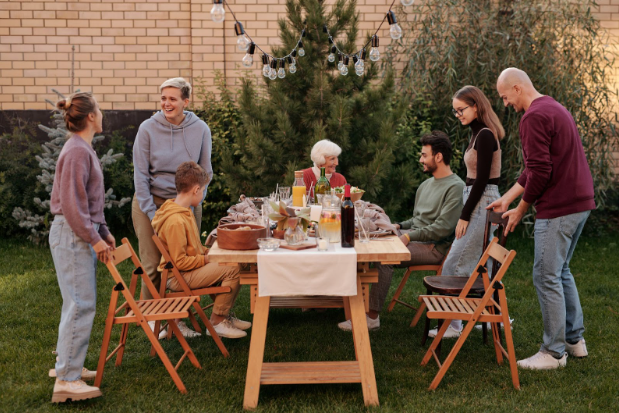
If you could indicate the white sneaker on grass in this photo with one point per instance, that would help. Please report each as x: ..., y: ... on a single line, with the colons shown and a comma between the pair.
x: 226, y: 329
x: 542, y: 361
x: 478, y: 326
x: 450, y: 333
x: 86, y: 374
x: 373, y: 324
x: 238, y: 323
x: 74, y: 391
x: 185, y: 331
x: 578, y: 350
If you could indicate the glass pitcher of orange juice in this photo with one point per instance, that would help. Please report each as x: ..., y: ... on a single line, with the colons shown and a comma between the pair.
x: 330, y: 224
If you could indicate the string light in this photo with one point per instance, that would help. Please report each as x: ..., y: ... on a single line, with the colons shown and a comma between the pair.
x: 218, y: 13
x: 266, y: 69
x: 248, y: 60
x: 270, y: 63
x: 394, y: 30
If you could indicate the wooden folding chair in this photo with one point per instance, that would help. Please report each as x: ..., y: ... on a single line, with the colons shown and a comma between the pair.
x: 452, y: 285
x: 141, y: 312
x: 170, y: 267
x: 438, y: 268
x: 473, y: 310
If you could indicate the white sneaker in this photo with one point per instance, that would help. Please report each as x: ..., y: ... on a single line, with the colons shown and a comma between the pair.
x: 542, y: 361
x: 478, y: 326
x: 373, y: 324
x: 226, y: 329
x: 86, y: 374
x: 578, y: 350
x: 186, y: 331
x: 73, y: 390
x: 237, y: 323
x: 450, y: 333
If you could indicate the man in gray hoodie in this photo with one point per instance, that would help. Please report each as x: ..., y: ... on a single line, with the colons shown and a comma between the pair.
x: 166, y: 140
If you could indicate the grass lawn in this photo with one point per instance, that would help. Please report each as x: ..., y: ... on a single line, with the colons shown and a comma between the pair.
x: 30, y: 303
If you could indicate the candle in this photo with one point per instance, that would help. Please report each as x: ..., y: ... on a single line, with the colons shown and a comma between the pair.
x: 322, y: 244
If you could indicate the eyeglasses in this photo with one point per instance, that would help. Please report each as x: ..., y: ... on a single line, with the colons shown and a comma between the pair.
x: 459, y: 112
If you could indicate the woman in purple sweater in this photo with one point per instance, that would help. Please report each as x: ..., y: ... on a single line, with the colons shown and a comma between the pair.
x: 77, y: 238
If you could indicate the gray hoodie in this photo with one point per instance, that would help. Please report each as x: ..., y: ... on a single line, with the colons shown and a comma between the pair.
x: 159, y: 148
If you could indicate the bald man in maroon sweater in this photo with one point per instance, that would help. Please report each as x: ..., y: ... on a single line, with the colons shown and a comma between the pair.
x: 557, y: 180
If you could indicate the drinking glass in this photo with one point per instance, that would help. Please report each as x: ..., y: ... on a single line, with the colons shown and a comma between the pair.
x: 364, y: 230
x: 284, y: 193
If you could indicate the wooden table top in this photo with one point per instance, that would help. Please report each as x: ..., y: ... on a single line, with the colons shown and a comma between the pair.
x: 392, y: 251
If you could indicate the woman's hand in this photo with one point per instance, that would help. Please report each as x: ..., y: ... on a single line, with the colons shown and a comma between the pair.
x: 500, y: 205
x: 461, y: 228
x: 111, y: 241
x: 103, y: 250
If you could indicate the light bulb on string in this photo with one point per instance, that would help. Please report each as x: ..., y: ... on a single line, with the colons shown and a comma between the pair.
x: 273, y: 71
x: 292, y: 64
x: 395, y: 31
x: 331, y: 57
x: 340, y: 63
x: 266, y: 69
x: 358, y: 61
x: 242, y: 40
x: 218, y: 14
x: 281, y: 73
x: 248, y: 60
x: 300, y: 49
x: 407, y: 2
x: 344, y: 69
x: 374, y: 53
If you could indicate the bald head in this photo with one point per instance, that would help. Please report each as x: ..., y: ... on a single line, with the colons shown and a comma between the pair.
x: 515, y: 89
x: 512, y: 76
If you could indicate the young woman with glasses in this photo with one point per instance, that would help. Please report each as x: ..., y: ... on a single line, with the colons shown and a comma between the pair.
x: 483, y: 169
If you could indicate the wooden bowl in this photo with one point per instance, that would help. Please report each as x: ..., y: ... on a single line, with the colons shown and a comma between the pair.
x: 229, y: 238
x: 354, y: 196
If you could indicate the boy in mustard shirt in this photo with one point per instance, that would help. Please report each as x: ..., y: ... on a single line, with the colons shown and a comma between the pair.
x: 176, y: 226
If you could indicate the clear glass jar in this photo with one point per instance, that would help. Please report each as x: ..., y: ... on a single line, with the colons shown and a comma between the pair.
x: 294, y: 234
x: 331, y: 217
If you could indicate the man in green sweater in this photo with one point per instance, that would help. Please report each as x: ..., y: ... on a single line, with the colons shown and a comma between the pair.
x: 429, y: 233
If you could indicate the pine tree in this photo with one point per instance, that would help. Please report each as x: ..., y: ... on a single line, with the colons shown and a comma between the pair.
x: 39, y: 223
x: 283, y: 120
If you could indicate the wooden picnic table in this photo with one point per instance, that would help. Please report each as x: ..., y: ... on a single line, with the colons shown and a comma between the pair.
x: 360, y: 370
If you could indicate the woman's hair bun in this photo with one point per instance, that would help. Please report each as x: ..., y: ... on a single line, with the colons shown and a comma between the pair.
x: 64, y: 104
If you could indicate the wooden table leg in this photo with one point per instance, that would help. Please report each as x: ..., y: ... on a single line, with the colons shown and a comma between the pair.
x: 361, y: 339
x: 256, y: 352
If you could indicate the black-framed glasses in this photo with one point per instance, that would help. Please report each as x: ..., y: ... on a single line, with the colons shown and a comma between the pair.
x: 459, y: 112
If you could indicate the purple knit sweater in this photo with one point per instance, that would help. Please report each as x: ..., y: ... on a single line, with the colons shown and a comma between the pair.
x: 556, y: 176
x: 78, y: 191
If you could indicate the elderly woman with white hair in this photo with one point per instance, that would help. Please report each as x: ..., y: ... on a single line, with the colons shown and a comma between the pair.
x: 166, y: 140
x: 324, y: 155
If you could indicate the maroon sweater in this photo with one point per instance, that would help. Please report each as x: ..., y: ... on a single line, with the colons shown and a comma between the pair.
x: 556, y: 176
x: 78, y: 191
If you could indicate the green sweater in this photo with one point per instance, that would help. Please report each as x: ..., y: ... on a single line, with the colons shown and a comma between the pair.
x: 438, y: 204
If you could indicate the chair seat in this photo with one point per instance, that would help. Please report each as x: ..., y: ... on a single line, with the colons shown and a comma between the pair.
x: 437, y: 304
x: 162, y: 308
x: 451, y: 285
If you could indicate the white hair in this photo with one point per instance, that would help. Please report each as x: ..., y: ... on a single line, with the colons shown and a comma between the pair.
x: 178, y: 83
x: 322, y: 149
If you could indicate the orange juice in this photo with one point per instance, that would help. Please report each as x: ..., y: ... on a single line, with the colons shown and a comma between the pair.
x: 297, y: 195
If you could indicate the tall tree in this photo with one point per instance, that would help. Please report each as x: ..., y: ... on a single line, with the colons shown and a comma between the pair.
x: 281, y: 121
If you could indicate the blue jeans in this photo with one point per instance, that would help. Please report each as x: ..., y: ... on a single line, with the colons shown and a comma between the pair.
x: 555, y: 241
x: 76, y: 265
x: 466, y: 251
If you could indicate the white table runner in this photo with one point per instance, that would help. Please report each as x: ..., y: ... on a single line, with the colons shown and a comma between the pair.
x: 308, y: 272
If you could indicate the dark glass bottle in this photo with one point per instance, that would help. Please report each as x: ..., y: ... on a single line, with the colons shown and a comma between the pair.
x: 348, y: 220
x: 322, y: 186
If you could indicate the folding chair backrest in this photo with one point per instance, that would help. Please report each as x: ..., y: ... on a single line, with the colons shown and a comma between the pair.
x: 122, y: 253
x: 495, y: 218
x: 500, y: 255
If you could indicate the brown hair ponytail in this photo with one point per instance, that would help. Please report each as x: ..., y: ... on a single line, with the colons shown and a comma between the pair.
x: 75, y: 109
x: 485, y: 114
